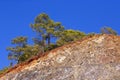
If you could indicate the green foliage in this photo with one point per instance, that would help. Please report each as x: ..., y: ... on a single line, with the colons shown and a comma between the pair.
x: 108, y: 30
x: 22, y: 51
x: 46, y: 28
x: 19, y: 40
x: 68, y: 36
x: 30, y: 51
x: 14, y: 52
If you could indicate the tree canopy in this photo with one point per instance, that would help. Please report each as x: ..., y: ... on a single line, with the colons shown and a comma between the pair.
x: 21, y: 51
x: 68, y: 36
x: 46, y: 28
x: 16, y: 51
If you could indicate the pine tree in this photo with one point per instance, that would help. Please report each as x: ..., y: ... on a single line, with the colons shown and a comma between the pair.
x: 68, y: 36
x: 46, y: 28
x: 16, y: 51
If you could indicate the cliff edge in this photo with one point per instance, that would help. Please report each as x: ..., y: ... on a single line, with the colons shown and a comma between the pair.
x: 94, y: 58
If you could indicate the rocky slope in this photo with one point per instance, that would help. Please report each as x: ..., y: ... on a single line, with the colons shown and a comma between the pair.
x: 94, y: 58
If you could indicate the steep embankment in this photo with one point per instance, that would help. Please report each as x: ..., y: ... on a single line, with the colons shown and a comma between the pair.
x: 95, y: 58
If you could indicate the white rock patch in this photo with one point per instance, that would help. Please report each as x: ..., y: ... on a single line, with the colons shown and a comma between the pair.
x: 60, y: 59
x: 99, y: 40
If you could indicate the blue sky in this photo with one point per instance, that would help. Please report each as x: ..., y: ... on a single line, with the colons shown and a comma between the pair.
x: 84, y: 15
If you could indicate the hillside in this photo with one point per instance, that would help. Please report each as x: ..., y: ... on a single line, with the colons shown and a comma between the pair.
x: 93, y: 58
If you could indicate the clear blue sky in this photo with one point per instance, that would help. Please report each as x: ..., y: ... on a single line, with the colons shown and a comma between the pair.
x: 83, y: 15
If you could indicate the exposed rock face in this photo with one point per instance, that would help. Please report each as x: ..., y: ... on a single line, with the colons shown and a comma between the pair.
x: 95, y: 58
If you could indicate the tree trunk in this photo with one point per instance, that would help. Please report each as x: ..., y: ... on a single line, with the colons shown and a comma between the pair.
x: 48, y: 39
x: 43, y: 41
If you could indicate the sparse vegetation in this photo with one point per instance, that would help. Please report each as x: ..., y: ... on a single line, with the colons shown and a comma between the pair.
x: 3, y: 70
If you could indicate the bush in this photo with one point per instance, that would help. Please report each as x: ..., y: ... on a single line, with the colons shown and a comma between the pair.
x: 4, y: 70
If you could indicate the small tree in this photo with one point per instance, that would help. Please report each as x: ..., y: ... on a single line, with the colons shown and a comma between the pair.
x: 30, y: 51
x: 108, y: 30
x: 16, y: 51
x: 22, y: 51
x: 68, y: 36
